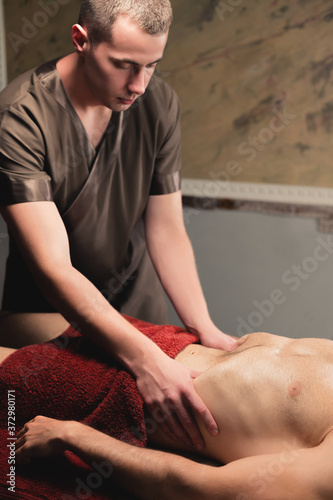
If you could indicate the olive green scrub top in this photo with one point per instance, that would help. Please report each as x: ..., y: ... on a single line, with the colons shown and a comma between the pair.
x: 101, y: 194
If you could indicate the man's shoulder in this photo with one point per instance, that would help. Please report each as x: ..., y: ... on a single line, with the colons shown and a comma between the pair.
x: 159, y: 87
x: 159, y: 95
x: 159, y: 104
x: 25, y: 85
x: 15, y: 90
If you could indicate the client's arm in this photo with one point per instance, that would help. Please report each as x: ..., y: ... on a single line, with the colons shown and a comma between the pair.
x: 149, y: 474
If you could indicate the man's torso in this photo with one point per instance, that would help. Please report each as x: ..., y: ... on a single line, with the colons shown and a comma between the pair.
x: 272, y: 394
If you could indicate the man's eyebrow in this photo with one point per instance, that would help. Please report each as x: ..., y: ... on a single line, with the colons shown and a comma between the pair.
x: 129, y: 61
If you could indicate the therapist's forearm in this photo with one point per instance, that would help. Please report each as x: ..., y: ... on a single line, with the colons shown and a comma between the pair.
x: 173, y: 258
x: 80, y: 302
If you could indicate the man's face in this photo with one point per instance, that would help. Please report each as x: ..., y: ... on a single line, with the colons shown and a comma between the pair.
x: 118, y: 72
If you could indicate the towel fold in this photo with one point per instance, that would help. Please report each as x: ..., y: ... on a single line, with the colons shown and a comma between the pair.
x: 70, y: 378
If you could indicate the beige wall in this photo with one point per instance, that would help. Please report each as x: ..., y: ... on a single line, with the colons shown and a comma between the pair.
x: 236, y: 69
x: 37, y: 31
x: 254, y: 79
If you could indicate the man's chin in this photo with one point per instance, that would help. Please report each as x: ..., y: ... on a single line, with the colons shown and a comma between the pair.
x: 120, y: 106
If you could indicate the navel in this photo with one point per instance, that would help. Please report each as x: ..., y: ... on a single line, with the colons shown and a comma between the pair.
x: 295, y: 389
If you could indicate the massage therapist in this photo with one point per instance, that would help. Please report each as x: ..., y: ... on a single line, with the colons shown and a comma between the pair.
x: 90, y: 191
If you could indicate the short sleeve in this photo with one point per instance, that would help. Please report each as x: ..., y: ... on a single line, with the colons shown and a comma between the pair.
x: 22, y: 158
x: 167, y: 172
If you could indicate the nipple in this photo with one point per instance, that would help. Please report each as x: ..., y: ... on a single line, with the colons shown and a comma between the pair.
x: 294, y: 389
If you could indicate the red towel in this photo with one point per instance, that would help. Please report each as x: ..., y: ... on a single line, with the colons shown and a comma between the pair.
x: 71, y: 379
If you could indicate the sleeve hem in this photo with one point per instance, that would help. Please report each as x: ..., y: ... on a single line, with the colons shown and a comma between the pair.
x: 31, y: 190
x: 165, y: 184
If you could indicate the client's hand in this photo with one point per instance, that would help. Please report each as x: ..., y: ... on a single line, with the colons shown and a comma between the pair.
x: 40, y: 437
x: 167, y: 388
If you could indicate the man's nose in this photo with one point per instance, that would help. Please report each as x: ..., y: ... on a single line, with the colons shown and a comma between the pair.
x: 137, y: 83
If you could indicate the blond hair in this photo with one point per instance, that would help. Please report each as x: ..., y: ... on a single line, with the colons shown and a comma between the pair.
x: 98, y: 16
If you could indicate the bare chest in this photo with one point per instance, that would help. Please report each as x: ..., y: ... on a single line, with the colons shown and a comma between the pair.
x: 267, y: 403
x: 95, y: 125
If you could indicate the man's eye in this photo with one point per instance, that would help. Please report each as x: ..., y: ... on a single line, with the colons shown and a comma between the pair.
x: 121, y: 65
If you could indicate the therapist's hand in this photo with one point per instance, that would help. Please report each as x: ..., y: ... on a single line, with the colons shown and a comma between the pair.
x: 169, y: 393
x: 211, y: 336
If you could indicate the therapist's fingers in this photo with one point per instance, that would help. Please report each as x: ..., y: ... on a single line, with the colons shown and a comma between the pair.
x: 188, y: 423
x: 177, y: 423
x: 168, y: 387
x: 194, y: 405
x: 171, y: 426
x: 180, y: 421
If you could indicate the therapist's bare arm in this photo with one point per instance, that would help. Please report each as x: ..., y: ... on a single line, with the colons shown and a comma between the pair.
x: 172, y: 255
x: 165, y: 385
x: 42, y: 238
x: 296, y: 474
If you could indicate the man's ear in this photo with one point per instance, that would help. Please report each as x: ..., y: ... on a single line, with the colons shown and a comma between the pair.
x: 80, y: 38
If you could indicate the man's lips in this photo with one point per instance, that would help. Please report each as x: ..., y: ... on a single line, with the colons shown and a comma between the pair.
x: 126, y: 101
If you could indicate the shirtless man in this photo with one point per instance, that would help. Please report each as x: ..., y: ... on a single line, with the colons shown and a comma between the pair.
x: 272, y: 399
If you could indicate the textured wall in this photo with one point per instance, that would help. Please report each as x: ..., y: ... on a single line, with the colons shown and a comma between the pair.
x: 37, y: 31
x: 255, y: 82
x: 254, y: 79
